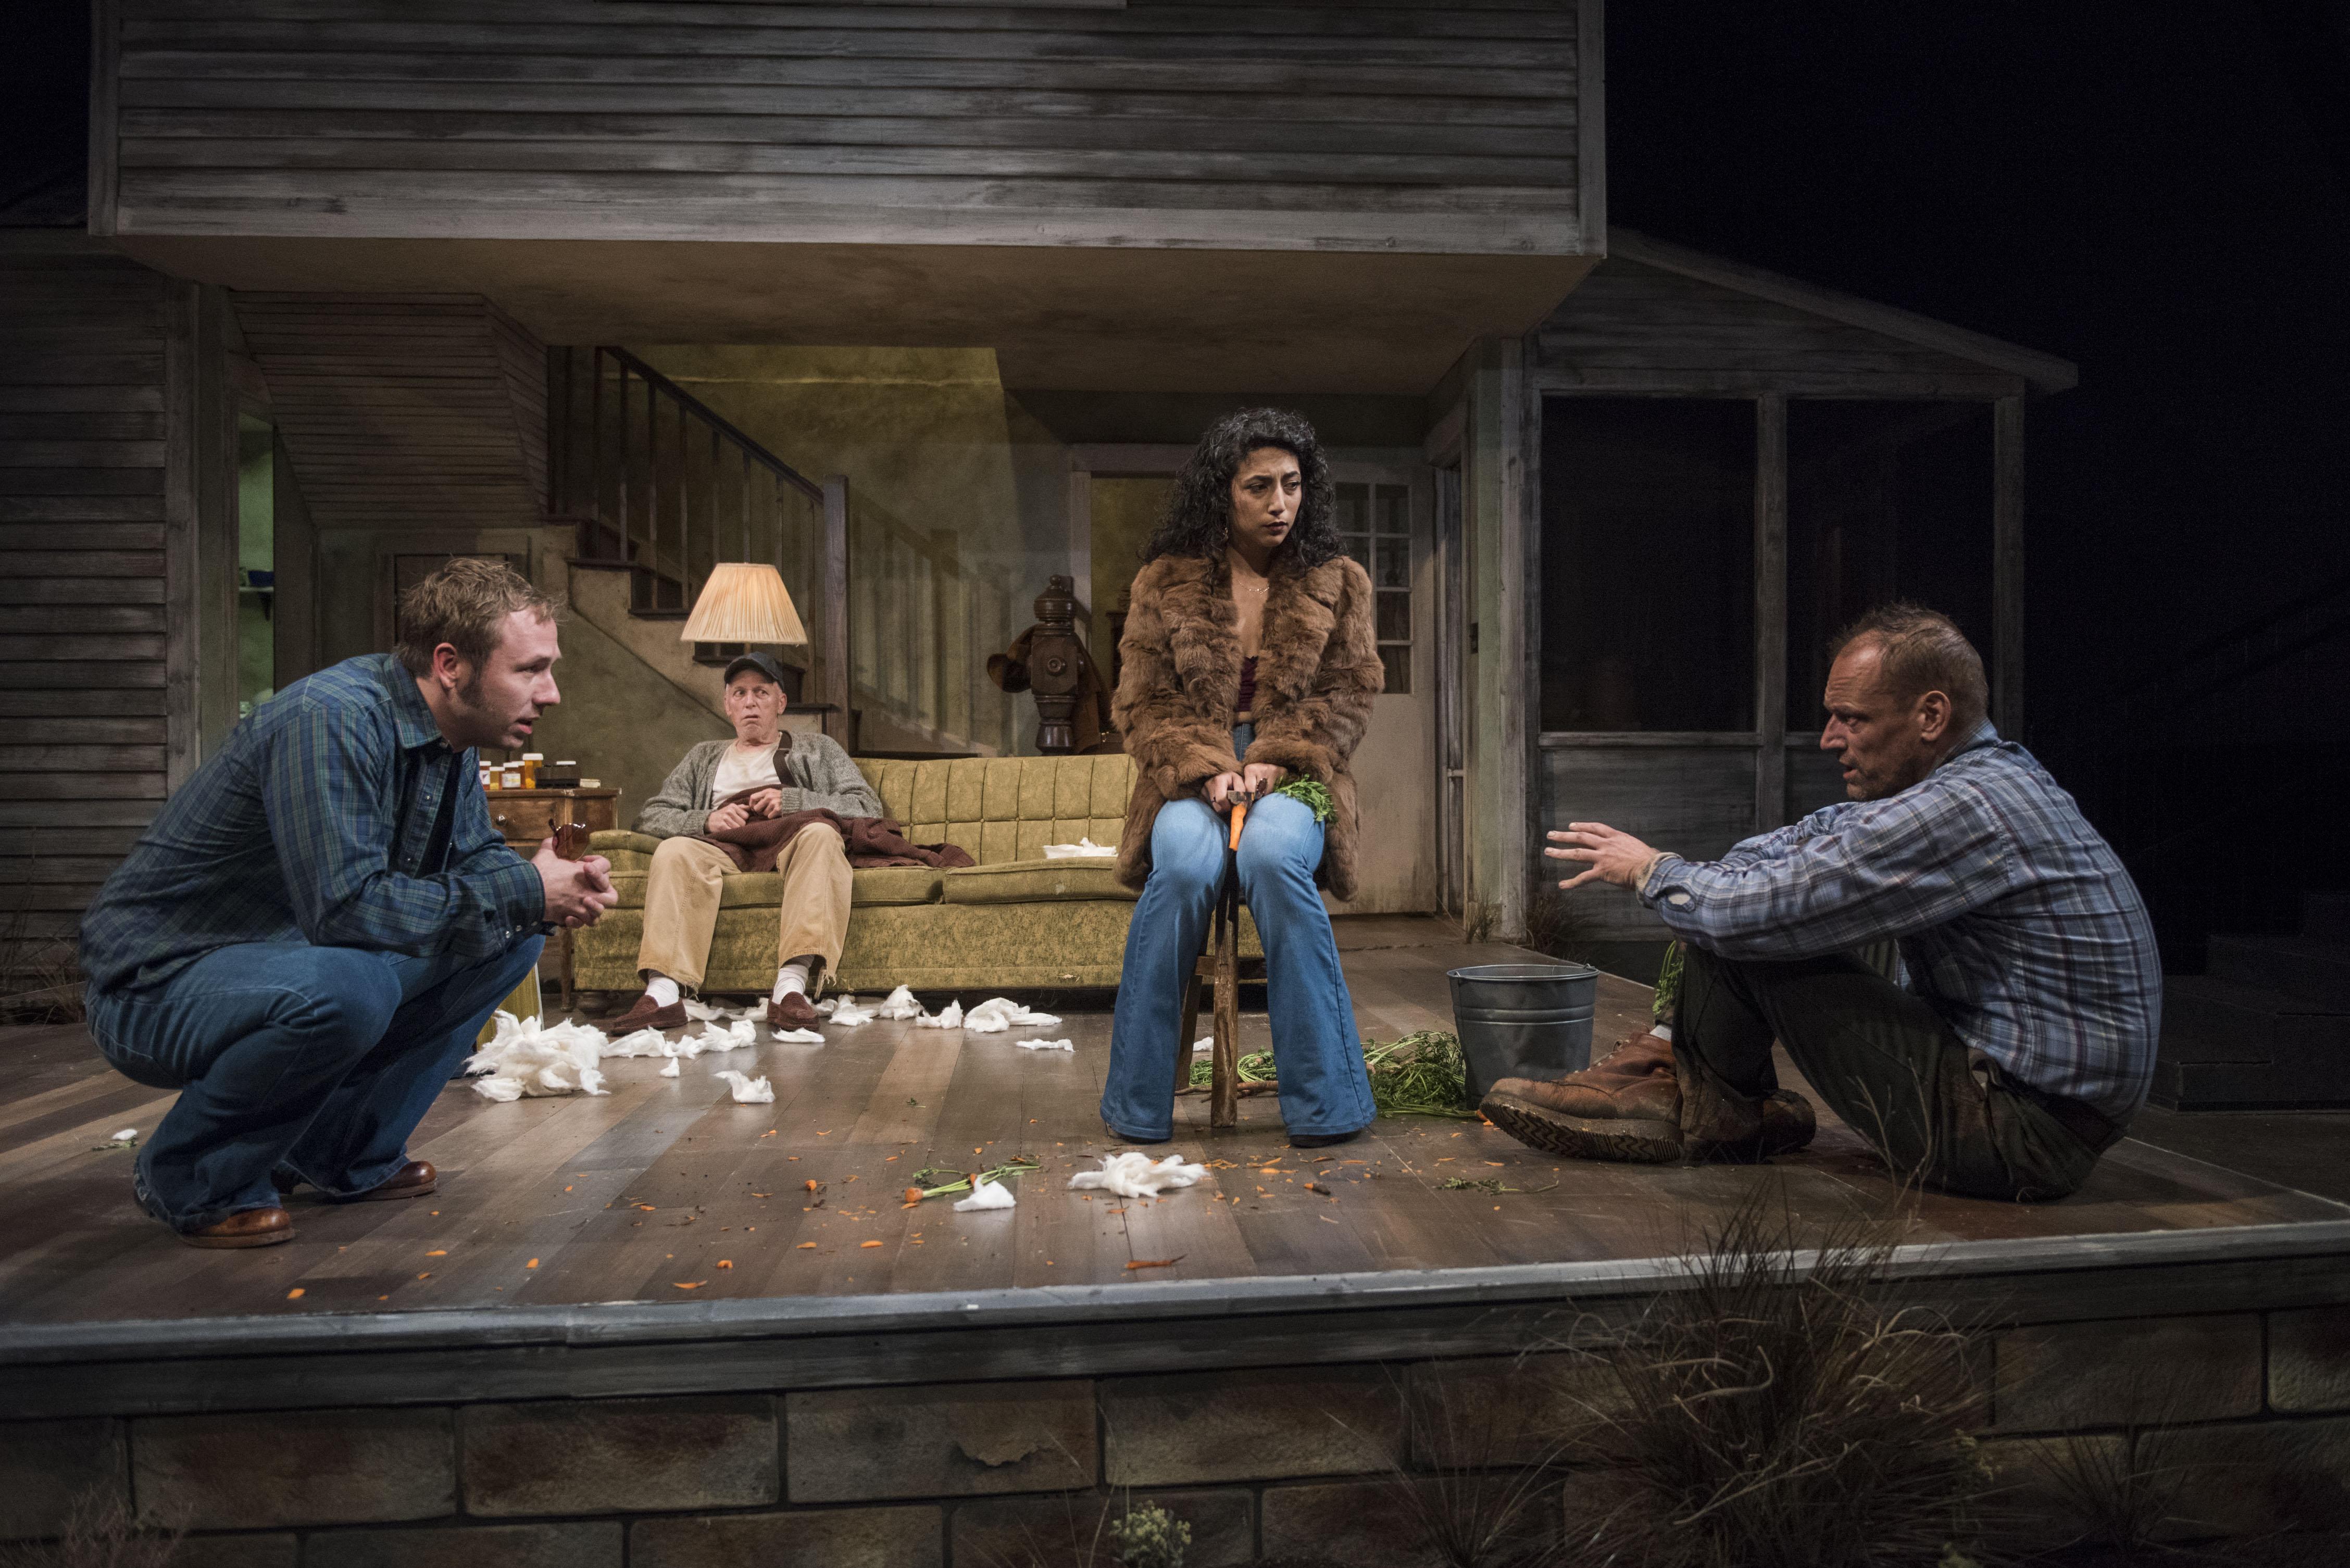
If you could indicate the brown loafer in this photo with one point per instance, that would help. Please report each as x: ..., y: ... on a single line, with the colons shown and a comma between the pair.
x: 649, y: 1014
x: 247, y: 1228
x: 413, y: 1179
x: 794, y: 1011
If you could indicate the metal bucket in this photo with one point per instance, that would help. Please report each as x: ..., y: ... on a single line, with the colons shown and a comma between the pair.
x: 1523, y: 1020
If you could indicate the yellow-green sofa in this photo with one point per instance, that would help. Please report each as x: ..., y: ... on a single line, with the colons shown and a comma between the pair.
x: 1013, y: 921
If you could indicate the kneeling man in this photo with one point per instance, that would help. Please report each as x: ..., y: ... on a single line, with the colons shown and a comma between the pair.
x: 308, y: 938
x: 764, y: 772
x: 2026, y: 1037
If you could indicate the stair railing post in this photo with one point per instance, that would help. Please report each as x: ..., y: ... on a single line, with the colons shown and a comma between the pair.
x: 835, y: 606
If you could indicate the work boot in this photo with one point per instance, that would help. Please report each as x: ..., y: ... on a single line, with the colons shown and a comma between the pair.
x: 1625, y: 1107
x: 1783, y: 1123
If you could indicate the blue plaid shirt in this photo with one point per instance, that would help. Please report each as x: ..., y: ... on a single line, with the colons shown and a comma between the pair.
x: 2016, y: 922
x: 315, y: 822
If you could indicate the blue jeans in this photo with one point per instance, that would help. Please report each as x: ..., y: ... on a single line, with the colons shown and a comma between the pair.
x: 317, y: 1062
x: 1325, y: 1087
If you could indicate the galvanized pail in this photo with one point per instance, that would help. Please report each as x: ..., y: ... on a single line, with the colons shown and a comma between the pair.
x: 1523, y: 1020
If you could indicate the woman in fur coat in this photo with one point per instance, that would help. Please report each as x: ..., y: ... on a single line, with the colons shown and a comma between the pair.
x: 1251, y: 658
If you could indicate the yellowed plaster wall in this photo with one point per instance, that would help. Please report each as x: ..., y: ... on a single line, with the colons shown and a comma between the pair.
x: 1125, y: 512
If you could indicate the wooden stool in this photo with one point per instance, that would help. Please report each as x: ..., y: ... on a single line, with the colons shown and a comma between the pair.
x: 1219, y: 966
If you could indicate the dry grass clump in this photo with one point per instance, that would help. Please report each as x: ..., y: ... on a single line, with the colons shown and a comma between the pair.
x: 40, y: 977
x: 99, y: 1532
x: 1783, y: 1411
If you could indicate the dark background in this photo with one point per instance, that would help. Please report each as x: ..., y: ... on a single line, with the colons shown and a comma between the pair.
x: 2156, y: 190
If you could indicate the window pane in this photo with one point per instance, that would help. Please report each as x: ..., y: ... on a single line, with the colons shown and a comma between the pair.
x: 1395, y: 617
x: 1360, y: 548
x: 1398, y: 663
x: 1394, y: 509
x: 1647, y: 552
x: 1394, y: 570
x: 1353, y: 501
x: 1885, y: 501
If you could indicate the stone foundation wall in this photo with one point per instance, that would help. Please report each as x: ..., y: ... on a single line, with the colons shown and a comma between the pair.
x: 2255, y: 1406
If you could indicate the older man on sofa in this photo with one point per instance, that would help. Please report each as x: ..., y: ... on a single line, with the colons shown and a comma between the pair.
x: 764, y: 772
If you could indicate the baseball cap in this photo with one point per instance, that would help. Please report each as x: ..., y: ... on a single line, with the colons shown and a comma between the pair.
x: 764, y: 663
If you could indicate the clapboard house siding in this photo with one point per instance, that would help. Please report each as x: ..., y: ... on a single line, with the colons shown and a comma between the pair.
x: 1425, y: 128
x: 90, y: 463
x: 1634, y: 328
x: 404, y: 411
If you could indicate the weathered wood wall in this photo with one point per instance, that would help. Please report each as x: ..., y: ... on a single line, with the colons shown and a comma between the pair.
x: 404, y: 411
x: 96, y: 494
x: 1635, y: 328
x: 1311, y: 124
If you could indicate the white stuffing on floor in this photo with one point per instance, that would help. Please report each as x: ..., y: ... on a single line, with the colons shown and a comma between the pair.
x: 846, y: 1014
x: 1204, y: 1043
x: 1082, y: 849
x: 701, y: 1012
x: 899, y: 1004
x: 643, y: 1042
x: 995, y: 1016
x: 797, y: 1037
x: 669, y: 1068
x: 1044, y: 1046
x: 949, y: 1017
x: 1136, y: 1175
x: 527, y: 1057
x: 987, y: 1195
x: 748, y: 1091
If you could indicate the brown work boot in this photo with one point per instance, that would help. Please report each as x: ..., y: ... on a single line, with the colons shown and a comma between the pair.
x: 794, y: 1011
x: 246, y: 1227
x: 1783, y: 1123
x: 1625, y: 1107
x: 649, y: 1014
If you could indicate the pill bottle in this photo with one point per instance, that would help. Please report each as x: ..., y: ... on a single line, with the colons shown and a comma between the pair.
x: 489, y: 778
x: 510, y: 776
x: 530, y: 765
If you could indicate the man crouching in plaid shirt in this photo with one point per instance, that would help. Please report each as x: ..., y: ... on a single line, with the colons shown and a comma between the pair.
x: 307, y: 941
x: 2025, y: 1038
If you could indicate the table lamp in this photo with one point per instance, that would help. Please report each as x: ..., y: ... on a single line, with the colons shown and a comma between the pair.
x: 747, y: 602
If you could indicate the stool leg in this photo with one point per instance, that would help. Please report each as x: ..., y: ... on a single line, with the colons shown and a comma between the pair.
x: 1224, y: 1108
x: 1190, y: 1022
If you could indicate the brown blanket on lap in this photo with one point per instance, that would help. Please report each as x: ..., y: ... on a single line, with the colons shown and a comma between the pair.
x: 870, y: 841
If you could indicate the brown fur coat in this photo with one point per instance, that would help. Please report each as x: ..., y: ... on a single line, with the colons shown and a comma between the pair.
x: 1315, y: 676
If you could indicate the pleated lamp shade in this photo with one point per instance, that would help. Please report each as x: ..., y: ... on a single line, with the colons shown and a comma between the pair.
x: 743, y: 601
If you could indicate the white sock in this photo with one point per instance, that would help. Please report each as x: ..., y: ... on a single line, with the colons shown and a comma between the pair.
x: 1661, y: 1031
x: 662, y: 990
x: 793, y: 976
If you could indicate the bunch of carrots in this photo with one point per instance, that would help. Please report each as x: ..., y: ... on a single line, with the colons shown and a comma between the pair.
x: 961, y: 1181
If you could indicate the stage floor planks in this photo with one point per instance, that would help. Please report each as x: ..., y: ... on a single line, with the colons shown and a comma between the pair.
x: 667, y: 1190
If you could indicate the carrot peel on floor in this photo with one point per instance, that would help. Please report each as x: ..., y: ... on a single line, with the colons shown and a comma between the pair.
x: 1158, y: 1263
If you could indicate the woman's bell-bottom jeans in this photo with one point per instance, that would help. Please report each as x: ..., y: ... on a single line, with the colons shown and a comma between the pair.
x: 1325, y: 1087
x: 309, y: 1061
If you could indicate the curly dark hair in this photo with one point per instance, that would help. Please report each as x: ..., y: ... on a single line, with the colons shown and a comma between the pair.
x: 1199, y: 520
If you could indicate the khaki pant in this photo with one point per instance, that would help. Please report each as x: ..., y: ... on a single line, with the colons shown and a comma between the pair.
x: 681, y: 896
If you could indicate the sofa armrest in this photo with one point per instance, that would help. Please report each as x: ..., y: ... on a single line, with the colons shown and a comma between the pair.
x: 622, y: 838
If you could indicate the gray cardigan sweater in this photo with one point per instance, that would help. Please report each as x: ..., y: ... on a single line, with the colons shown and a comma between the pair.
x: 815, y: 774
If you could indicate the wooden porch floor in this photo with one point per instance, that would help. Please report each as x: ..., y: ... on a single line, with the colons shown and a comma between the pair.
x: 666, y: 1190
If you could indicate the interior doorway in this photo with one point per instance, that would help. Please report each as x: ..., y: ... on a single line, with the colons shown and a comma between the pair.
x: 1452, y: 776
x: 1384, y: 522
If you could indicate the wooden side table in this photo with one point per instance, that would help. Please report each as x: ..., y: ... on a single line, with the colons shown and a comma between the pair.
x: 524, y: 817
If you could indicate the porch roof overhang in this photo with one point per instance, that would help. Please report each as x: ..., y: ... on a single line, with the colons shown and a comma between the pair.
x: 1076, y: 319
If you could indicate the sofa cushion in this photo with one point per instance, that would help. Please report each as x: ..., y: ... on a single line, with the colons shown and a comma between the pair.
x: 1034, y: 882
x: 1004, y: 809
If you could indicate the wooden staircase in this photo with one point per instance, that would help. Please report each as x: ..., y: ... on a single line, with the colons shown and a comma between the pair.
x: 660, y: 486
x: 2267, y: 1025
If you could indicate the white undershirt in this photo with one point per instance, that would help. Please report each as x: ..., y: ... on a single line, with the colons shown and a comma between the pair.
x: 739, y: 770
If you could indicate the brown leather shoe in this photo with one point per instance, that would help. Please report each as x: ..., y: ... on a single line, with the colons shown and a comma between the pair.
x: 1785, y: 1124
x: 413, y: 1179
x: 648, y: 1014
x: 248, y: 1227
x: 1625, y: 1107
x: 794, y: 1011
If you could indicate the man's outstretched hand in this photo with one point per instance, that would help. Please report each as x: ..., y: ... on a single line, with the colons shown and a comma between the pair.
x: 1612, y: 856
x: 577, y: 891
